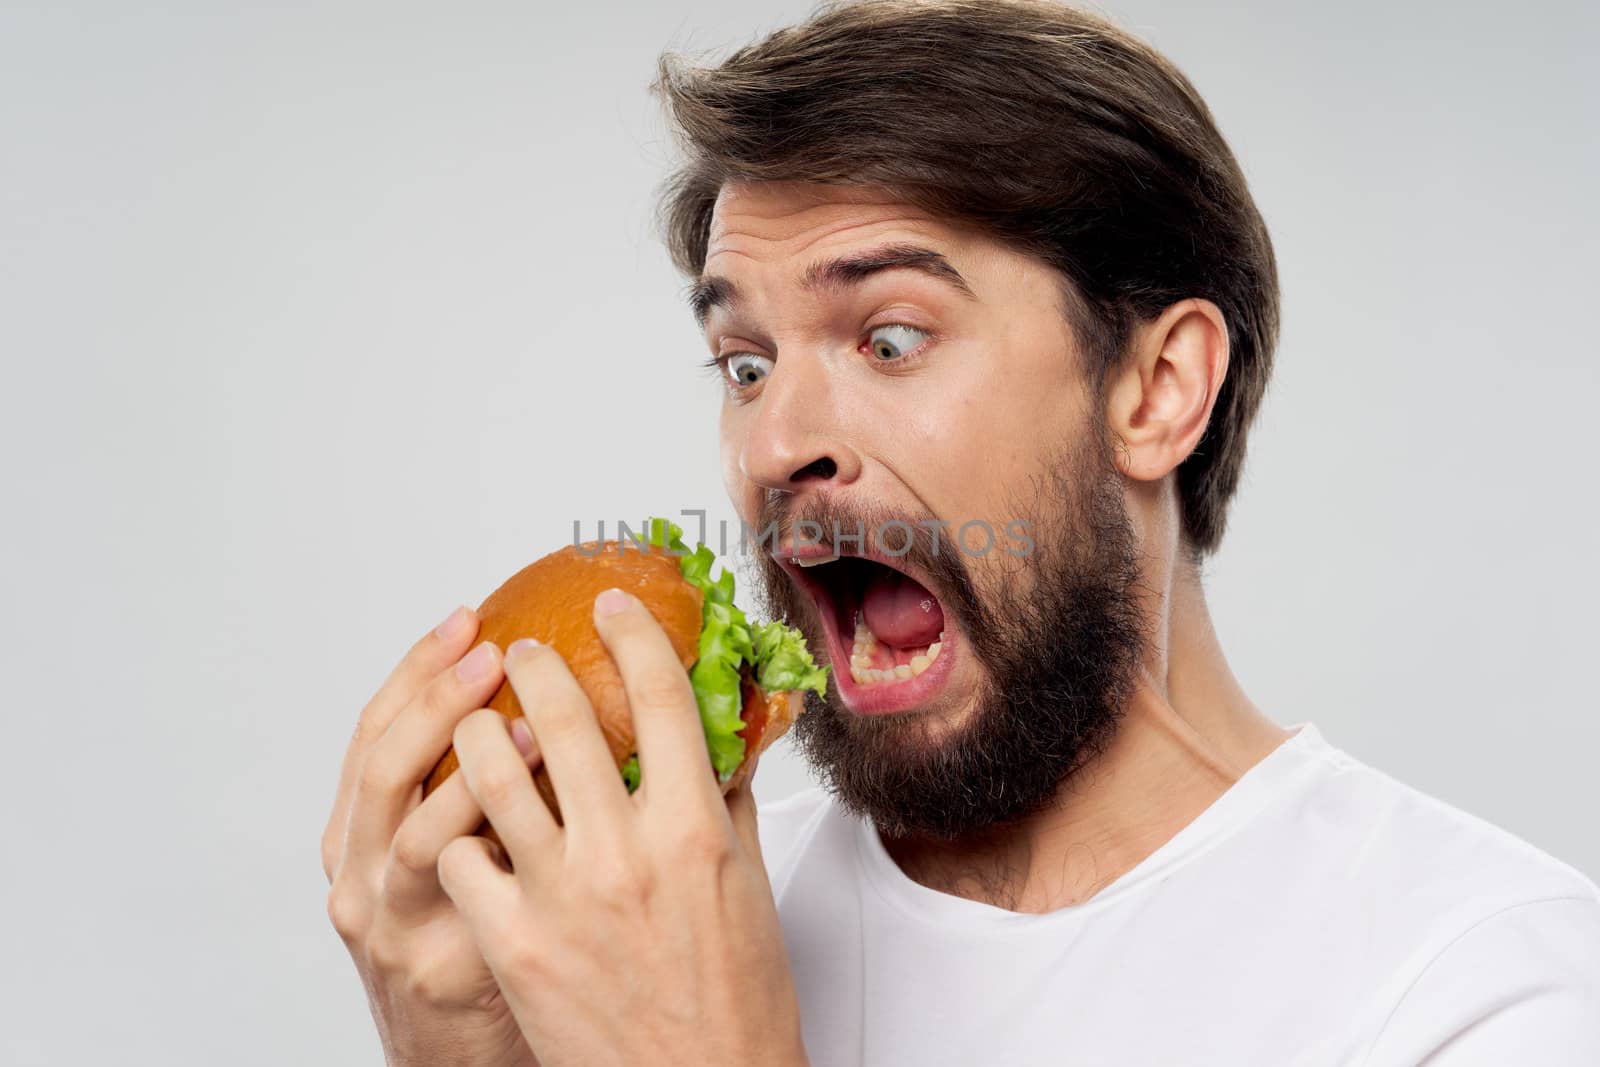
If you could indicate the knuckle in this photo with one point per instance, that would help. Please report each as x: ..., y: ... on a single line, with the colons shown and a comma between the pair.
x: 661, y: 688
x: 623, y: 884
x: 441, y: 700
x: 348, y: 911
x: 446, y: 695
x: 528, y: 958
x: 453, y: 860
x: 702, y: 845
x: 499, y: 789
x: 560, y: 722
x: 434, y: 984
x: 433, y: 697
x: 378, y: 777
x: 412, y: 852
x: 388, y: 955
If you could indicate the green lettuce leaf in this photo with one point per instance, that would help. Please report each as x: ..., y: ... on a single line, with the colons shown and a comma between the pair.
x: 783, y: 662
x: 727, y: 642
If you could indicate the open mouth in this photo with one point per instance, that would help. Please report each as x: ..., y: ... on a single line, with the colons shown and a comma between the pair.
x: 887, y: 635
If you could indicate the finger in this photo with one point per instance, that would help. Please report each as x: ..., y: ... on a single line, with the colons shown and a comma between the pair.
x: 498, y: 778
x: 582, y: 770
x: 414, y: 742
x: 666, y: 719
x: 484, y: 892
x: 411, y: 877
x: 435, y: 651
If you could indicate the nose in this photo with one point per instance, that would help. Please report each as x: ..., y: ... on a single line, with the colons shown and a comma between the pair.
x: 797, y: 437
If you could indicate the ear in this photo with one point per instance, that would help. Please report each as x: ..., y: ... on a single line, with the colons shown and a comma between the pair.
x: 1159, y: 400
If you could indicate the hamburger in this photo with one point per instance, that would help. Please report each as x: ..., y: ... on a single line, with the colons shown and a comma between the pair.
x: 748, y: 679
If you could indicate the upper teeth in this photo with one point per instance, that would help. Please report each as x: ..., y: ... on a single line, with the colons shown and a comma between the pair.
x: 814, y: 561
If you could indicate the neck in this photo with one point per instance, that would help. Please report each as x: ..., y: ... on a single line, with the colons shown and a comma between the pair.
x: 1185, y: 736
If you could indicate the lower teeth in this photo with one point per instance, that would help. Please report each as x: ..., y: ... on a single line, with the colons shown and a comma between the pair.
x: 866, y: 642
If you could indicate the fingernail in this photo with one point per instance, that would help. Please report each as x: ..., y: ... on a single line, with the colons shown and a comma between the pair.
x: 477, y: 665
x: 610, y: 602
x: 522, y: 646
x: 522, y: 737
x: 453, y: 625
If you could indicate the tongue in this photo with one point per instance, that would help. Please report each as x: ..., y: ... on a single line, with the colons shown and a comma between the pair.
x: 900, y: 611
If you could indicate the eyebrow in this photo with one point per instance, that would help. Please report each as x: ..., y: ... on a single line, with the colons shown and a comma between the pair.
x: 712, y: 291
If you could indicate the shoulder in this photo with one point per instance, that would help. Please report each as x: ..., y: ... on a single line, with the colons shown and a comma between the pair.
x: 1520, y: 985
x: 1393, y: 839
x: 1499, y: 941
x: 785, y: 826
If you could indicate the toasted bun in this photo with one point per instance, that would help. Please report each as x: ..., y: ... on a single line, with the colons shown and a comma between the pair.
x: 552, y: 600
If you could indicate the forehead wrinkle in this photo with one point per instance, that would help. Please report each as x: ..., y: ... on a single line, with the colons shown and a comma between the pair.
x: 709, y: 291
x: 911, y: 221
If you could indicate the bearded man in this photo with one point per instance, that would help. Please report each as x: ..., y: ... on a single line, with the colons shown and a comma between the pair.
x: 994, y: 311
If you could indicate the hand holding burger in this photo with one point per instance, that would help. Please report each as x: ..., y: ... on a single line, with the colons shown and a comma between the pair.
x: 637, y: 919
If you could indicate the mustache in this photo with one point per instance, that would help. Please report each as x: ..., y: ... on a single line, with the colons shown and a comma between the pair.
x: 835, y: 522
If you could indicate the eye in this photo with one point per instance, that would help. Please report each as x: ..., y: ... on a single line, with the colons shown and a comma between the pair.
x: 893, y: 341
x: 745, y: 369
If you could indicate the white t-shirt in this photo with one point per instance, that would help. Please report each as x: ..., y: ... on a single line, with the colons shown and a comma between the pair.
x: 1319, y: 912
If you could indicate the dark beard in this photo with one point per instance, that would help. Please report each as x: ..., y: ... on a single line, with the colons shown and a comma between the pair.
x: 1059, y: 653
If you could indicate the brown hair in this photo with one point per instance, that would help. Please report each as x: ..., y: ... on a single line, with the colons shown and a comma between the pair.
x: 1045, y: 126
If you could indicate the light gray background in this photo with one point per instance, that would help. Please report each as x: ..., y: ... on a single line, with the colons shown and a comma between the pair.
x: 319, y: 321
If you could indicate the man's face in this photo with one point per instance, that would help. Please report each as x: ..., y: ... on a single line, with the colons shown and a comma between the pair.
x: 943, y: 413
